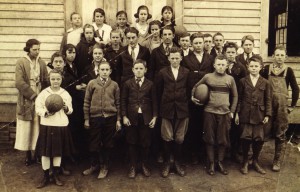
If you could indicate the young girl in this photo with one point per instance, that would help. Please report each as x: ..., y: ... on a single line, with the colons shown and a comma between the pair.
x: 167, y: 16
x: 101, y: 28
x: 153, y: 41
x: 53, y: 138
x: 84, y: 58
x: 98, y: 56
x: 122, y: 24
x: 253, y: 111
x: 142, y: 25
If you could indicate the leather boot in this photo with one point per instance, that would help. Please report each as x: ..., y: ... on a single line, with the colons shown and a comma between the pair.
x: 246, y: 147
x: 211, y: 169
x: 179, y: 169
x: 221, y: 168
x: 28, y: 159
x: 45, y: 180
x: 211, y: 159
x: 56, y: 179
x: 257, y: 147
x: 279, y: 153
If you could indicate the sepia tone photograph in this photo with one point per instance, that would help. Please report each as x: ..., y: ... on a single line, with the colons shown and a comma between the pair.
x: 149, y: 95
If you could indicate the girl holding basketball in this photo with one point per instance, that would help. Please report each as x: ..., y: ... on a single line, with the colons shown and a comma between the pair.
x: 53, y: 105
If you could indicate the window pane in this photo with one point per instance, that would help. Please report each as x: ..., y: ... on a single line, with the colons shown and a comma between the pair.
x: 283, y: 19
x: 279, y: 21
x: 285, y: 35
x: 281, y: 36
x: 277, y: 37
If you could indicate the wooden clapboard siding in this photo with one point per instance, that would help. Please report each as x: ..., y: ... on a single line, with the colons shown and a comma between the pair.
x: 233, y: 18
x: 21, y: 20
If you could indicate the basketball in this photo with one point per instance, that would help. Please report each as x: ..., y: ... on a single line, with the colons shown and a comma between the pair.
x: 54, y: 103
x: 202, y: 93
x: 179, y: 30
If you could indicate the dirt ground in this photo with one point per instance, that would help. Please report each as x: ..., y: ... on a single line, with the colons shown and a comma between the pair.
x: 15, y: 176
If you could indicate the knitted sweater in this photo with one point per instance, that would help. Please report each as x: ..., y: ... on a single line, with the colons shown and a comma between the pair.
x: 102, y: 100
x: 220, y: 86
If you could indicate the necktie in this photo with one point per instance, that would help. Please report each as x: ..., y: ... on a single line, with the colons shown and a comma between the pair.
x: 167, y: 50
x: 138, y: 81
x: 104, y: 80
x: 132, y: 53
x: 248, y: 57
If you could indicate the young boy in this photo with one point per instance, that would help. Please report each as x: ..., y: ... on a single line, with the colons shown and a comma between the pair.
x: 237, y: 71
x: 139, y: 111
x: 113, y: 51
x: 253, y: 111
x: 102, y: 118
x: 280, y: 78
x: 130, y: 53
x: 218, y: 112
x: 207, y: 42
x: 199, y: 63
x: 218, y: 39
x: 159, y: 56
x: 184, y: 43
x: 173, y: 97
x: 72, y: 36
x: 248, y: 45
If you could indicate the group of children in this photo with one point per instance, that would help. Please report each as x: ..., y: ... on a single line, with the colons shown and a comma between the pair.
x: 143, y: 78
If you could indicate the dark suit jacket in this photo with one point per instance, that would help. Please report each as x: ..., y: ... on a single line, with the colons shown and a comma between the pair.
x: 254, y: 102
x: 159, y: 60
x: 238, y: 72
x: 112, y: 57
x: 240, y: 59
x: 197, y: 69
x: 125, y: 63
x: 134, y: 97
x: 172, y: 94
x: 214, y: 54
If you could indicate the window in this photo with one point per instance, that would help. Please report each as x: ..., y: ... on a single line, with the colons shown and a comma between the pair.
x: 284, y: 22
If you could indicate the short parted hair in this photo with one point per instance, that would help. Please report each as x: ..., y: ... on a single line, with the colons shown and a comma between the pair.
x: 256, y: 58
x: 56, y: 71
x: 98, y: 46
x: 175, y: 50
x: 247, y: 37
x: 74, y: 13
x: 68, y: 47
x: 218, y: 34
x: 183, y: 35
x: 207, y: 35
x: 220, y: 57
x: 154, y: 22
x: 140, y: 61
x: 115, y: 31
x: 142, y: 7
x: 131, y: 30
x: 230, y: 44
x: 280, y: 47
x: 30, y: 43
x: 101, y: 11
x: 104, y: 62
x: 196, y: 35
x: 167, y: 27
x: 57, y: 54
x: 88, y: 26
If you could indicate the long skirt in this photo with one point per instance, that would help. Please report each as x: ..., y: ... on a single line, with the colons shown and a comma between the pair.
x: 55, y: 141
x: 27, y: 134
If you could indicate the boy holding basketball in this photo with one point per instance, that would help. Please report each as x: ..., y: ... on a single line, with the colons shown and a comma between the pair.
x: 218, y: 112
x: 102, y: 118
